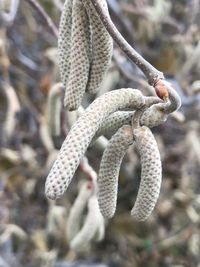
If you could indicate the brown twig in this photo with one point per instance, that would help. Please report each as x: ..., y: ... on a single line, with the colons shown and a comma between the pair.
x: 45, y: 16
x: 152, y: 74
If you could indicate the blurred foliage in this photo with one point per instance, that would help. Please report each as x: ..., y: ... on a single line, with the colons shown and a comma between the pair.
x: 32, y: 229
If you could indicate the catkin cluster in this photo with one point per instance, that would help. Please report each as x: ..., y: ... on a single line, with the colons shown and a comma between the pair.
x: 115, y: 111
x: 84, y: 50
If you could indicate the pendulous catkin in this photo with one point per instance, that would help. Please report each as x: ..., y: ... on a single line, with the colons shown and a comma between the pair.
x: 64, y: 41
x: 91, y: 225
x: 151, y: 173
x: 54, y: 105
x: 102, y: 47
x: 77, y: 210
x: 109, y: 170
x: 79, y: 57
x: 81, y: 134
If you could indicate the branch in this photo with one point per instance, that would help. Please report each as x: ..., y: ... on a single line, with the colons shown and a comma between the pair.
x: 152, y: 74
x: 45, y: 16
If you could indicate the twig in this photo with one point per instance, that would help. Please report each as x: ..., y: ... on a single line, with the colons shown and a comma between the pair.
x: 45, y: 16
x: 152, y: 74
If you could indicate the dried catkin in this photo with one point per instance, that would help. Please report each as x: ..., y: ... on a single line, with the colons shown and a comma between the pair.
x: 54, y: 105
x: 102, y: 47
x: 81, y: 134
x: 64, y: 41
x: 79, y: 57
x: 109, y: 170
x: 90, y: 227
x: 151, y: 173
x: 77, y: 210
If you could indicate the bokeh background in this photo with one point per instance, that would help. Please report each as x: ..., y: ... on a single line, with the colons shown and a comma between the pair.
x: 33, y: 229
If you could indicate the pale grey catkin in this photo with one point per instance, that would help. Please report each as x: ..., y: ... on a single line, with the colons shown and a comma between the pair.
x: 102, y: 47
x: 151, y: 173
x: 81, y: 134
x: 109, y: 170
x: 54, y: 105
x: 64, y: 41
x: 77, y: 210
x: 152, y: 117
x: 90, y: 227
x: 79, y: 57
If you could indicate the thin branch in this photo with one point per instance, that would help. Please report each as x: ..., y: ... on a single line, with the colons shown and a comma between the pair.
x: 45, y: 16
x: 152, y: 74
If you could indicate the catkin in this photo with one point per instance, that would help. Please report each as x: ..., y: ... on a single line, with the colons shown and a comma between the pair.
x: 54, y: 105
x: 76, y: 212
x: 152, y: 117
x: 81, y: 134
x: 102, y: 47
x: 90, y: 227
x: 151, y: 173
x: 79, y: 57
x: 109, y: 170
x: 64, y: 41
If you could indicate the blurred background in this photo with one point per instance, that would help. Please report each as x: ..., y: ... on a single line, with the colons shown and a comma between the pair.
x: 33, y: 229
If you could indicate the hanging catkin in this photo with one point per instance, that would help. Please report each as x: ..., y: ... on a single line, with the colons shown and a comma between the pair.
x: 64, y: 41
x: 79, y: 57
x: 151, y: 173
x: 90, y: 227
x: 109, y: 170
x: 76, y: 213
x: 54, y: 105
x: 81, y: 134
x: 102, y: 47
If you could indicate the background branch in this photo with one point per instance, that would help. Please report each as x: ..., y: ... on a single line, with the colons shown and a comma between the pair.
x: 152, y: 74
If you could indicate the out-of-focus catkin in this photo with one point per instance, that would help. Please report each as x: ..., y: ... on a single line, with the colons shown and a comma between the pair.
x: 151, y: 173
x: 91, y: 225
x: 54, y: 105
x: 81, y: 134
x: 102, y: 47
x: 76, y: 213
x: 109, y: 170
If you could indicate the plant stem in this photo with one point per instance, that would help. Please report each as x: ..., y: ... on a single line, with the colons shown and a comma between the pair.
x: 152, y: 74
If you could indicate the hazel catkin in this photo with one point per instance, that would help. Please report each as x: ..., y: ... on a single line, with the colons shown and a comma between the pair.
x: 79, y: 57
x: 109, y: 170
x: 81, y: 134
x: 151, y: 173
x: 102, y: 47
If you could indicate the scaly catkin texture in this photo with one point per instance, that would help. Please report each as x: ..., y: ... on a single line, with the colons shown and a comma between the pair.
x: 109, y: 170
x: 152, y: 117
x: 77, y: 210
x: 102, y: 47
x: 90, y: 227
x: 79, y: 57
x: 151, y: 173
x: 81, y: 134
x: 64, y: 41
